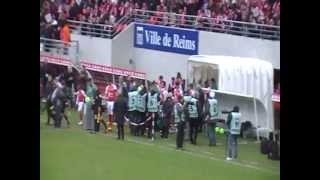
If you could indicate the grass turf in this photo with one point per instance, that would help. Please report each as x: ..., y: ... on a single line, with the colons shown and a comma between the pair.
x: 74, y: 154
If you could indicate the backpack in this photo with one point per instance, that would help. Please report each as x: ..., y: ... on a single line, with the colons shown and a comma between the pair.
x: 273, y: 153
x: 264, y: 146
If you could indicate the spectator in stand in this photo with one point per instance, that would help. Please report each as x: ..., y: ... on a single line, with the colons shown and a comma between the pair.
x: 200, y: 20
x: 110, y: 11
x: 65, y: 36
x: 165, y: 16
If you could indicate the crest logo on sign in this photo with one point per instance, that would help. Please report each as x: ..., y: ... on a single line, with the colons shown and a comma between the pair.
x: 139, y: 35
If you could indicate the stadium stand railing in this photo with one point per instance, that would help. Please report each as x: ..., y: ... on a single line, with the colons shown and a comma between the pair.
x: 51, y: 47
x: 99, y: 30
x: 175, y: 20
x: 208, y: 24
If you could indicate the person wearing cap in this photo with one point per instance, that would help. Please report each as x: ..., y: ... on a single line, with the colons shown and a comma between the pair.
x: 211, y: 113
x: 234, y: 125
x: 168, y: 112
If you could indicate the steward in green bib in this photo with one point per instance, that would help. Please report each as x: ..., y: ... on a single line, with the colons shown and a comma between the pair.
x: 193, y: 111
x: 141, y: 108
x: 132, y: 109
x: 211, y: 113
x: 152, y: 111
x: 234, y: 125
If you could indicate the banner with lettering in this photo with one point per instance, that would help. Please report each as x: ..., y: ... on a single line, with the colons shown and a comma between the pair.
x: 167, y: 39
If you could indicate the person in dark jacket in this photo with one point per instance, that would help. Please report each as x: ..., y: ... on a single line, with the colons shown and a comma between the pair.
x: 168, y: 114
x: 98, y: 109
x: 119, y: 110
x: 70, y: 84
x: 201, y: 101
x: 193, y: 113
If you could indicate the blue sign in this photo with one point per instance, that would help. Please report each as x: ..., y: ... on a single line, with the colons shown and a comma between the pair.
x: 166, y: 39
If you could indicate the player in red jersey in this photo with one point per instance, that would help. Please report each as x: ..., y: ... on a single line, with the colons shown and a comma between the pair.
x: 110, y: 96
x: 81, y: 95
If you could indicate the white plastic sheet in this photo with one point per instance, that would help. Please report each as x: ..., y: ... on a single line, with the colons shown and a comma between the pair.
x: 248, y: 78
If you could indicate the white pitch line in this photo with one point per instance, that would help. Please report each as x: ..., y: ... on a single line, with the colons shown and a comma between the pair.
x: 199, y: 155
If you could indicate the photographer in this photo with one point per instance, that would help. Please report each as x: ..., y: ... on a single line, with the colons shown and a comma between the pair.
x: 211, y: 112
x: 234, y: 125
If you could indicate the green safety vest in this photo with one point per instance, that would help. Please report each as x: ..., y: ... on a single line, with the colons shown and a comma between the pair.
x: 213, y: 108
x: 141, y: 102
x: 235, y: 123
x: 193, y: 110
x: 187, y: 98
x: 152, y: 102
x: 132, y: 100
x: 178, y: 118
x: 90, y: 94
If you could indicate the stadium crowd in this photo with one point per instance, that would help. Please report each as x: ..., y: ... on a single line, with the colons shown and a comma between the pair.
x: 108, y: 12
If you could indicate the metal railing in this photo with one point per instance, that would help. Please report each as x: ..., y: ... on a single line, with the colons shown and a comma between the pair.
x: 91, y: 29
x: 208, y: 24
x: 98, y: 30
x: 59, y: 48
x: 177, y: 20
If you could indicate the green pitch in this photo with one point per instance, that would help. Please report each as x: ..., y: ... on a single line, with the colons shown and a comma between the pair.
x: 74, y: 154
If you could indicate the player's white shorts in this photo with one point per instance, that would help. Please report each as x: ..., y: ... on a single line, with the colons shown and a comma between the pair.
x: 110, y: 107
x: 80, y: 106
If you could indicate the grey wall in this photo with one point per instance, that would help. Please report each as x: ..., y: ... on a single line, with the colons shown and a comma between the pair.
x: 156, y: 63
x: 122, y: 49
x: 211, y: 43
x: 93, y: 49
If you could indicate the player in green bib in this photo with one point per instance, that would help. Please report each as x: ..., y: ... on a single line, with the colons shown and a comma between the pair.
x: 211, y: 113
x: 234, y: 125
